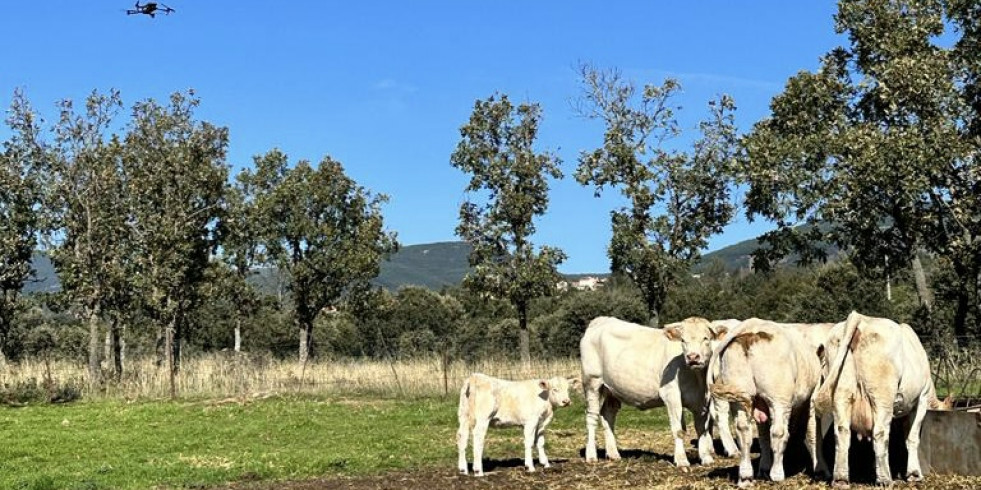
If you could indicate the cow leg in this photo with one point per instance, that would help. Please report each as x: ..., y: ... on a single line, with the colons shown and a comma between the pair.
x: 530, y: 432
x: 779, y: 433
x: 672, y: 401
x: 720, y: 411
x: 462, y: 435
x: 703, y: 427
x: 881, y: 421
x: 913, y: 470
x: 766, y: 450
x: 843, y: 439
x: 479, y: 431
x: 594, y: 400
x: 542, y: 458
x: 745, y: 433
x: 608, y: 417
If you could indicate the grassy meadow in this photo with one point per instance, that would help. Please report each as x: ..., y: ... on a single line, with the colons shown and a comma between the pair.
x: 110, y: 444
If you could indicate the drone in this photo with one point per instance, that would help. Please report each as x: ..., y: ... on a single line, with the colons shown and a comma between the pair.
x: 149, y: 8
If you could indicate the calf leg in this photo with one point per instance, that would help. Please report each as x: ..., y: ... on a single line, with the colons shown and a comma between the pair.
x: 479, y: 431
x: 745, y: 433
x: 542, y: 458
x: 462, y: 435
x: 672, y: 401
x: 608, y: 417
x: 913, y: 470
x: 530, y: 432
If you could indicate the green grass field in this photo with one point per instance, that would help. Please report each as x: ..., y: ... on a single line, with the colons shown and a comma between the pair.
x: 112, y: 444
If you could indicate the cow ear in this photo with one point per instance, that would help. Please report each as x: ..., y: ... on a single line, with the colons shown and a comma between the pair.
x: 673, y: 333
x: 543, y: 384
x: 720, y: 331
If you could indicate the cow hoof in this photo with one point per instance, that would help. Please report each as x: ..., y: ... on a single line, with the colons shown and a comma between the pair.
x: 613, y: 457
x: 684, y: 469
x: 841, y: 484
x: 478, y: 473
x: 463, y: 472
x: 591, y: 460
x: 914, y: 476
x: 707, y: 460
x: 883, y: 483
x: 531, y: 470
x: 745, y: 483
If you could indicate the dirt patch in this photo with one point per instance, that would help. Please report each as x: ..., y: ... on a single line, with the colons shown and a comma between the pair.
x: 635, y: 471
x: 639, y: 469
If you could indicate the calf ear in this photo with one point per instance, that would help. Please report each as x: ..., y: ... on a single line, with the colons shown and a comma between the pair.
x: 720, y: 331
x: 673, y: 333
x: 574, y: 383
x: 543, y: 384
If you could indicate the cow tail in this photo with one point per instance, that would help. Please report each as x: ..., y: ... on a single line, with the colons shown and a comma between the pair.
x: 466, y: 407
x: 823, y: 398
x: 720, y: 390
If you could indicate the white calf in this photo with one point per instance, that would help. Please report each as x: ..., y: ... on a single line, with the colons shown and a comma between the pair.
x: 487, y: 401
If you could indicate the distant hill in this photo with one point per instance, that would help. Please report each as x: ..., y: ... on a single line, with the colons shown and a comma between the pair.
x: 431, y: 265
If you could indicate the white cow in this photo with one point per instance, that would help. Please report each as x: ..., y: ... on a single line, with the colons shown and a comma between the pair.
x: 771, y: 373
x: 646, y: 367
x: 879, y: 371
x: 719, y: 409
x: 487, y: 401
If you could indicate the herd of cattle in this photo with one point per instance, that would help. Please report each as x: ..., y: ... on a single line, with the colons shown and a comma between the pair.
x: 855, y: 376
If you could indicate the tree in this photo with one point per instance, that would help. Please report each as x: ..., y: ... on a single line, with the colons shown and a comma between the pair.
x: 241, y: 251
x: 496, y: 149
x: 879, y: 146
x: 88, y: 229
x: 320, y: 228
x: 175, y: 172
x: 22, y: 166
x: 677, y: 199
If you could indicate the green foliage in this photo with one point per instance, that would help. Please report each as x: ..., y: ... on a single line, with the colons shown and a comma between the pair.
x: 880, y: 143
x: 677, y: 199
x: 320, y: 228
x: 496, y: 149
x: 22, y: 170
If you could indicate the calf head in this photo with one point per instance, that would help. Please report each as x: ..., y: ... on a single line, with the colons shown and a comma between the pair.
x: 696, y: 336
x: 557, y: 389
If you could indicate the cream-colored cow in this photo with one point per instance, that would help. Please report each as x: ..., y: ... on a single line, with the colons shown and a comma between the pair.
x: 771, y: 373
x: 874, y: 370
x: 646, y: 367
x: 487, y: 401
x: 719, y: 409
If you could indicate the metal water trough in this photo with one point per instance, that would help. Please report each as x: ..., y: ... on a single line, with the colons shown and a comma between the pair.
x: 950, y: 441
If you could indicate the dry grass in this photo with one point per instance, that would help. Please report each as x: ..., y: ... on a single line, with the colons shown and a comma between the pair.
x: 225, y: 375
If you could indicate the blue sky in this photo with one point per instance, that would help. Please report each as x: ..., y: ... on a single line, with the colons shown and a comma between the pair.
x: 384, y: 86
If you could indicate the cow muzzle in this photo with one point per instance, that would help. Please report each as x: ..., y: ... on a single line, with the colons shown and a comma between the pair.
x: 695, y: 361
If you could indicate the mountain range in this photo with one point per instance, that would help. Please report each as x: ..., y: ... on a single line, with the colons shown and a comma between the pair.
x: 431, y: 265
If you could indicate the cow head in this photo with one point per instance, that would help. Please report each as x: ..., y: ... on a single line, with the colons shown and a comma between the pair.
x: 557, y: 389
x: 696, y: 336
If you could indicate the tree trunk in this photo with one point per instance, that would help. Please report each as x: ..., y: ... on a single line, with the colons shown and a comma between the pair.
x: 922, y: 288
x: 117, y: 350
x: 524, y: 343
x: 960, y: 318
x: 107, y: 353
x: 95, y: 361
x: 238, y: 334
x: 305, y: 328
x: 171, y: 365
